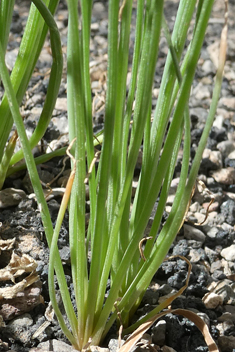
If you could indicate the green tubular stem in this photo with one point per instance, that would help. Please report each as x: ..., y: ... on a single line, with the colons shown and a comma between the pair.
x: 86, y: 8
x: 38, y: 160
x: 145, y: 171
x: 104, y: 167
x: 181, y: 201
x: 132, y: 294
x: 166, y: 185
x: 131, y: 93
x: 45, y: 215
x: 30, y: 48
x: 6, y: 11
x: 156, y: 223
x: 164, y: 106
x: 6, y: 158
x: 149, y: 268
x: 116, y: 164
x: 77, y: 129
x: 161, y: 205
x: 178, y: 114
x: 124, y: 226
x: 140, y: 225
x: 144, y: 175
x: 143, y: 96
x: 74, y: 338
x: 54, y: 81
x: 132, y: 270
x: 193, y: 171
x: 122, y: 66
x: 180, y: 206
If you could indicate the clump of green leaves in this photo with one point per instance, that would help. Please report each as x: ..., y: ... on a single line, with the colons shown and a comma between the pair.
x: 117, y: 223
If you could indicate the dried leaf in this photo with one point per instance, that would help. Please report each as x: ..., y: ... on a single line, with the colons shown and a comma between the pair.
x: 6, y: 245
x: 17, y: 266
x: 2, y: 324
x: 11, y: 291
x: 202, y: 326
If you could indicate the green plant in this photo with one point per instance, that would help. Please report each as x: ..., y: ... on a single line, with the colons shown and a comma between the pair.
x: 30, y: 48
x: 116, y: 226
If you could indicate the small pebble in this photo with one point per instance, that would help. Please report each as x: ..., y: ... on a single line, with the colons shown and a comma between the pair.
x: 54, y: 345
x: 224, y: 176
x: 194, y: 256
x: 226, y: 147
x: 212, y: 300
x: 217, y: 265
x: 212, y: 159
x: 159, y: 333
x: 227, y: 209
x: 10, y: 197
x: 192, y: 233
x: 20, y: 328
x: 229, y: 253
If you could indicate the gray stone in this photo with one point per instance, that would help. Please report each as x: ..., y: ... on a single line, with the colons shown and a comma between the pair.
x: 20, y: 328
x: 229, y: 314
x: 226, y: 147
x: 226, y: 343
x: 208, y: 67
x: 227, y: 209
x: 192, y: 233
x: 212, y: 232
x: 61, y: 124
x: 224, y: 176
x: 113, y: 345
x: 55, y: 346
x: 201, y: 92
x: 98, y: 10
x: 159, y: 333
x: 212, y: 158
x: 217, y: 265
x: 226, y: 289
x: 211, y: 254
x: 10, y: 197
x: 194, y: 256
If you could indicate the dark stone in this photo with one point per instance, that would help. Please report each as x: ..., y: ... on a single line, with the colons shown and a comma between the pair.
x: 65, y: 254
x: 178, y: 279
x: 16, y: 27
x: 218, y: 275
x: 183, y: 335
x: 181, y: 248
x: 211, y: 143
x: 231, y: 188
x: 228, y: 211
x: 223, y: 239
x: 26, y: 204
x: 218, y: 134
x: 54, y: 207
x: 150, y: 297
x: 229, y: 163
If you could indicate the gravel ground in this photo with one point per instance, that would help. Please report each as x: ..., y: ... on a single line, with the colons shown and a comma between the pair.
x: 210, y: 247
